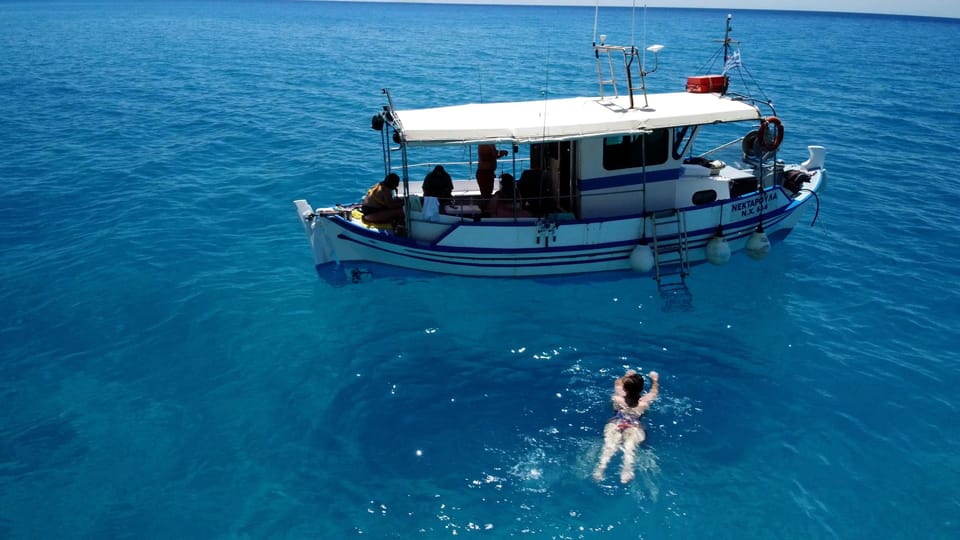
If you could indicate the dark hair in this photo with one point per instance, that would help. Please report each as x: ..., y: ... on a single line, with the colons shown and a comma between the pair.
x: 437, y: 183
x: 392, y: 178
x: 632, y: 387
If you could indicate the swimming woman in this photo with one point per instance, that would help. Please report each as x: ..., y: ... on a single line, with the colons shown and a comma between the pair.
x: 625, y: 427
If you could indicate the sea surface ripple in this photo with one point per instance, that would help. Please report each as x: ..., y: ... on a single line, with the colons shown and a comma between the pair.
x: 172, y: 367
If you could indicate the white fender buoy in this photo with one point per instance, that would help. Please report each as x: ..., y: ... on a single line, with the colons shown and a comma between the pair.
x: 641, y: 258
x: 718, y: 250
x: 758, y: 245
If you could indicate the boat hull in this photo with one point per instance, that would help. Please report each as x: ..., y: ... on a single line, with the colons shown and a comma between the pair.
x: 552, y: 246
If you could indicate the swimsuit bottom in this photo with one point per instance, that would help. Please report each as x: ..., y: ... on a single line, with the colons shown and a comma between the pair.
x: 625, y: 421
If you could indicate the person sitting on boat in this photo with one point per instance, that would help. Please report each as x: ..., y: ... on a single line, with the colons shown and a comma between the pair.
x: 506, y: 202
x: 625, y: 428
x: 487, y: 155
x: 438, y: 184
x: 536, y: 189
x: 380, y: 205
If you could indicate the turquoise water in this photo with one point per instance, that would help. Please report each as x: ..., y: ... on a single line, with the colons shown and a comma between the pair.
x: 172, y: 367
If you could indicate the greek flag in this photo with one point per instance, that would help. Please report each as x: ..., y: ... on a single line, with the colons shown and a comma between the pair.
x: 732, y: 62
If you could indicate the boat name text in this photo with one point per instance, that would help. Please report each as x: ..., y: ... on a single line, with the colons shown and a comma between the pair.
x: 754, y: 205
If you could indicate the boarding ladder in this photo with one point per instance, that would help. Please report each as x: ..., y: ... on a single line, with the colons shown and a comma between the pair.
x: 671, y: 259
x: 670, y: 256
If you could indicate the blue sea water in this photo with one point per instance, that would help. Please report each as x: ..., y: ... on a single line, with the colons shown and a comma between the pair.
x: 172, y: 367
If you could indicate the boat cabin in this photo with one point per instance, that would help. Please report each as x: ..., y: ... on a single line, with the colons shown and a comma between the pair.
x: 592, y: 158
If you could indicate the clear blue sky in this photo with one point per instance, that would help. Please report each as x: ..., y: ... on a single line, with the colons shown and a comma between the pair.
x: 930, y: 8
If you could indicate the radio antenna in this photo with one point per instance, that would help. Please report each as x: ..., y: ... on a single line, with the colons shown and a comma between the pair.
x: 596, y: 16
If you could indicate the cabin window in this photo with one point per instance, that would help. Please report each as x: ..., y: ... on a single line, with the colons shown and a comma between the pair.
x: 632, y: 151
x: 681, y: 141
x: 706, y: 196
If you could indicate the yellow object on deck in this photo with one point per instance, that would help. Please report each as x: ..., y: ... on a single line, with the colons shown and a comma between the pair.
x: 357, y: 215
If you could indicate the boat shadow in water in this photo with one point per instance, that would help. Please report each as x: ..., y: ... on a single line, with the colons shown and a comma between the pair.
x: 675, y: 297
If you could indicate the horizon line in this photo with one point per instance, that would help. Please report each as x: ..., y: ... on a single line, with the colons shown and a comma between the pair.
x: 804, y: 8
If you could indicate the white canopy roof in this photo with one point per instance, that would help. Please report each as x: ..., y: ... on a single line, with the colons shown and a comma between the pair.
x: 570, y: 118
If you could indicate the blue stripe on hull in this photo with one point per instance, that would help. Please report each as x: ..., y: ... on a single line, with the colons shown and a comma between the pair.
x: 631, y: 179
x: 484, y: 259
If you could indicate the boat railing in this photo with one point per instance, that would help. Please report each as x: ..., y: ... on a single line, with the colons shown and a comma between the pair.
x: 464, y: 170
x: 466, y: 191
x: 723, y: 146
x: 765, y: 165
x: 468, y: 164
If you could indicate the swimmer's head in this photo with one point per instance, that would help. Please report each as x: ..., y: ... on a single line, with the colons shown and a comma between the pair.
x: 632, y: 387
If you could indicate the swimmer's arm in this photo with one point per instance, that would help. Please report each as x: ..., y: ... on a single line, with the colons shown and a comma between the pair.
x: 650, y: 396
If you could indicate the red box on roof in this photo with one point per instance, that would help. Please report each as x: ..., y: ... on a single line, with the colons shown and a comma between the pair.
x: 706, y: 84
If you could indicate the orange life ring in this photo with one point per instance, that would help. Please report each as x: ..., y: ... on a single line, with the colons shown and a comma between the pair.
x: 765, y: 142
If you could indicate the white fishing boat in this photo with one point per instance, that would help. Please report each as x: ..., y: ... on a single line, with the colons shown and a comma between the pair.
x: 606, y: 183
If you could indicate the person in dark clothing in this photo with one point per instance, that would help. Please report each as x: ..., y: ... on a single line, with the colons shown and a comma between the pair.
x: 438, y: 184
